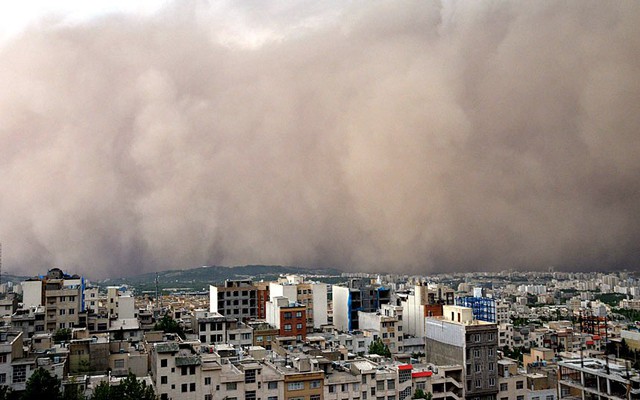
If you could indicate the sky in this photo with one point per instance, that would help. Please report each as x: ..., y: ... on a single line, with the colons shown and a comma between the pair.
x: 388, y: 136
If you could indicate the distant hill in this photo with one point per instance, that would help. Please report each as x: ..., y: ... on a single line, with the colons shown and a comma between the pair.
x: 200, y: 278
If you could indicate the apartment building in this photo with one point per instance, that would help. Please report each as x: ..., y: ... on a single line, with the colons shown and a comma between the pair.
x: 312, y: 295
x: 385, y: 327
x: 237, y: 299
x: 29, y: 320
x: 289, y: 317
x: 591, y: 378
x: 358, y: 295
x: 456, y: 338
x: 443, y: 382
x: 62, y: 296
x: 212, y: 327
x: 424, y: 301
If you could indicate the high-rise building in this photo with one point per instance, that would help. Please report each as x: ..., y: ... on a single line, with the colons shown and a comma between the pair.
x: 237, y: 299
x: 425, y: 301
x: 312, y: 295
x: 358, y: 295
x: 456, y: 338
x: 289, y: 317
x: 62, y: 296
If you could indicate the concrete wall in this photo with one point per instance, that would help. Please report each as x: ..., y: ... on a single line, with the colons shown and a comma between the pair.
x: 440, y: 353
x: 213, y: 298
x: 340, y: 308
x: 32, y: 293
x: 320, y: 305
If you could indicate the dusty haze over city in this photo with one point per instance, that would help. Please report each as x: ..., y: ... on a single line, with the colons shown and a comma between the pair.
x: 400, y: 136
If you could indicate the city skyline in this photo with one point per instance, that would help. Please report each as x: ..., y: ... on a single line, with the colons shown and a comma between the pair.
x: 414, y: 136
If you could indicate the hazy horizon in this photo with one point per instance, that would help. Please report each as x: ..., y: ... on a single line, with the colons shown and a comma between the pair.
x: 410, y: 136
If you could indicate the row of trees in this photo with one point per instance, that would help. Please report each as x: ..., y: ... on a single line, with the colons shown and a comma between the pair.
x: 42, y: 385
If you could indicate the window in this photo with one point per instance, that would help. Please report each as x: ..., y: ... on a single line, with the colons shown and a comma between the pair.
x: 549, y: 397
x: 250, y: 376
x: 19, y: 373
x: 380, y: 385
x: 344, y: 387
x: 63, y: 312
x: 298, y: 314
x: 492, y: 382
x: 232, y: 386
x: 295, y: 386
x: 207, y: 380
x: 287, y: 315
x: 298, y: 326
x: 3, y: 358
x: 491, y: 366
x: 391, y: 384
x: 315, y: 384
x: 478, y: 367
x: 404, y: 375
x: 163, y: 363
x: 490, y: 352
x: 3, y: 378
x: 519, y: 384
x: 272, y: 385
x: 332, y: 388
x: 118, y: 364
x: 478, y: 383
x: 250, y: 395
x: 184, y: 387
x: 208, y: 397
x: 287, y: 327
x: 476, y: 353
x: 314, y: 397
x: 504, y: 387
x: 272, y: 398
x: 521, y: 397
x: 192, y: 387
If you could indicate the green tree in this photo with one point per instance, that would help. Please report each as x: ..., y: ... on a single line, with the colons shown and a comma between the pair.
x: 130, y: 388
x: 420, y: 394
x: 379, y: 348
x: 42, y: 385
x: 62, y: 335
x: 169, y: 325
x: 119, y: 335
x: 72, y: 391
x: 7, y: 394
